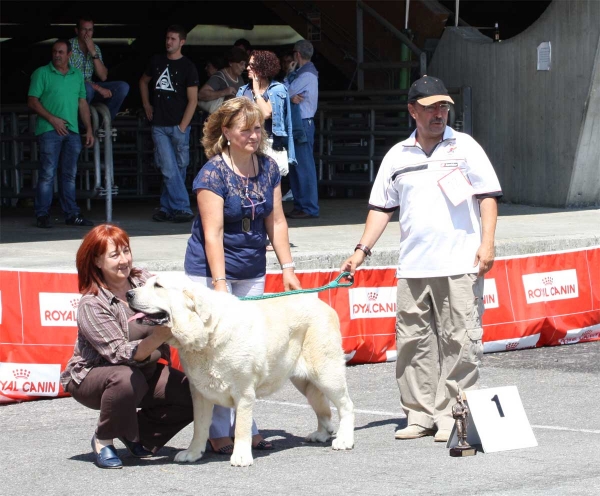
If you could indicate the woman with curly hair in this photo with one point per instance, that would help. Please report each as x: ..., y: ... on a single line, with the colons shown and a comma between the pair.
x: 272, y: 98
x: 238, y: 191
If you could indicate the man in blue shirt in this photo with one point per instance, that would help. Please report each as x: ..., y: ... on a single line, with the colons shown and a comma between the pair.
x: 303, y: 86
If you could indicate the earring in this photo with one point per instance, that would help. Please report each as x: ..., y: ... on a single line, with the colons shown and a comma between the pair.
x: 228, y: 143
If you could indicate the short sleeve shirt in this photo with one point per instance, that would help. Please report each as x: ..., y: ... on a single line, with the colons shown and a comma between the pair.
x: 437, y: 238
x: 247, y: 202
x: 219, y: 81
x: 59, y: 94
x: 83, y: 62
x: 170, y: 80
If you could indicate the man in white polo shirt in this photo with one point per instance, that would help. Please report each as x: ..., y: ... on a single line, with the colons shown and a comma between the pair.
x: 446, y: 190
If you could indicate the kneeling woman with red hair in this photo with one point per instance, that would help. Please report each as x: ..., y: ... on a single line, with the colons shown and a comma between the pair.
x: 119, y: 366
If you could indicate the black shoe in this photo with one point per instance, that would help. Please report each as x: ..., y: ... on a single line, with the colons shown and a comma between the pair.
x: 300, y: 215
x: 292, y: 212
x: 107, y: 457
x: 78, y: 220
x: 136, y: 449
x: 43, y: 221
x: 182, y: 216
x: 161, y: 216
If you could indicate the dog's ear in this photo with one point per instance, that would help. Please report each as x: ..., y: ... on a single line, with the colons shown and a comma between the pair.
x: 200, y: 306
x: 199, y: 323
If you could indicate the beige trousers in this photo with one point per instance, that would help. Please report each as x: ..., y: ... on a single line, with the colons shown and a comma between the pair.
x: 439, y: 343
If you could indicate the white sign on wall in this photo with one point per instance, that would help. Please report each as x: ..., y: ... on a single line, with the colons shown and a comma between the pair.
x: 544, y: 56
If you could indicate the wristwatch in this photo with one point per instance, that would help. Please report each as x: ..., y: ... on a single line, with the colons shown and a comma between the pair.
x: 95, y: 56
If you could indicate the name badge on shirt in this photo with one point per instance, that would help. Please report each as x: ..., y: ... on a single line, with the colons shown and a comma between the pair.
x: 456, y: 187
x: 246, y: 224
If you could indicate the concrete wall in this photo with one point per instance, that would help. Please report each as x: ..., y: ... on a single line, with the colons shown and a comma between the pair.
x: 585, y: 182
x: 539, y: 128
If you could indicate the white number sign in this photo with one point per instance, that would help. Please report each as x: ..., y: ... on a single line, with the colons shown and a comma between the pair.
x: 497, y: 420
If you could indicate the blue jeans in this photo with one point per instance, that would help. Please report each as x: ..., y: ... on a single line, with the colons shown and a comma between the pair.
x: 119, y: 90
x: 172, y: 156
x: 303, y: 176
x: 57, y: 150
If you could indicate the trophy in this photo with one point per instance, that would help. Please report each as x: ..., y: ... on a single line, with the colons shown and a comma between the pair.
x: 460, y: 412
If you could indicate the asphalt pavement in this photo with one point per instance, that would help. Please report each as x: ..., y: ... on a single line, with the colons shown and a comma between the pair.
x: 46, y: 444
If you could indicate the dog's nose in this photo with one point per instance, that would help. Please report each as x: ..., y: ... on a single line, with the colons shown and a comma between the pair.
x: 129, y: 295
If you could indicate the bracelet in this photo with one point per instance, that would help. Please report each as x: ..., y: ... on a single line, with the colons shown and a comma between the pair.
x: 363, y: 248
x: 289, y: 265
x: 217, y: 279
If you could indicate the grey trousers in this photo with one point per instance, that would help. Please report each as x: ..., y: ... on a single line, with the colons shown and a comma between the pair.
x: 439, y: 343
x: 149, y: 408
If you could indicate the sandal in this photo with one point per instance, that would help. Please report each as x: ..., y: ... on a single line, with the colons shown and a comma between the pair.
x: 223, y: 450
x: 263, y: 445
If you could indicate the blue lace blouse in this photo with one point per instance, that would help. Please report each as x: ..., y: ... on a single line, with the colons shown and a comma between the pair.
x: 247, y: 201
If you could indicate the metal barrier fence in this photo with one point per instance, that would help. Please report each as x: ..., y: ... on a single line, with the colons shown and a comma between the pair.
x: 19, y: 155
x: 123, y: 166
x: 355, y: 129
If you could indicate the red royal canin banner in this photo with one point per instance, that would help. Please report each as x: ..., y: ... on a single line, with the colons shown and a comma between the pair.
x: 531, y: 301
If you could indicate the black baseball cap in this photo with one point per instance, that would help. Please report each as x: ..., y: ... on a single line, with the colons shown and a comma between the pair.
x: 427, y: 91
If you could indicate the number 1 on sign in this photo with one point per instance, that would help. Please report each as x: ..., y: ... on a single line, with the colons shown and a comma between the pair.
x: 496, y: 400
x: 497, y: 420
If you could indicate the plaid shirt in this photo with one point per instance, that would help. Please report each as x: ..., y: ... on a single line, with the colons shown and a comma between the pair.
x: 83, y: 62
x: 103, y: 335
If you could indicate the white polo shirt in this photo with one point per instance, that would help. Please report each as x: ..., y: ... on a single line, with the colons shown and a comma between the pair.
x: 437, y: 238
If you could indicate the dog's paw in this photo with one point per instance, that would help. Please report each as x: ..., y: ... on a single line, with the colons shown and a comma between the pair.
x: 340, y: 443
x: 188, y: 456
x: 318, y: 437
x: 241, y: 458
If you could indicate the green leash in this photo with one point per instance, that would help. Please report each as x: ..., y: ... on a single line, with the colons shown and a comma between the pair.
x: 332, y: 285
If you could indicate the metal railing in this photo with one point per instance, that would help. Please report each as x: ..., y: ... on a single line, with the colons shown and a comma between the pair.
x: 355, y: 129
x: 361, y: 65
x: 19, y: 157
x: 124, y: 167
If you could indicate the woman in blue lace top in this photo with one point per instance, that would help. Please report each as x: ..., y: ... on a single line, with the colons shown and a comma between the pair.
x: 239, y: 199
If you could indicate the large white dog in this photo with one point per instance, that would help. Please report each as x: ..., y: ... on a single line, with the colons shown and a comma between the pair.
x: 235, y: 351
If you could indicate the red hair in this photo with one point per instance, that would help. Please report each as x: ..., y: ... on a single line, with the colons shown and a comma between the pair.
x: 265, y: 64
x: 94, y: 245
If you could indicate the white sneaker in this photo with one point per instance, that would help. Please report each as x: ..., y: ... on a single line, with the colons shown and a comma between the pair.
x: 289, y: 196
x: 442, y: 435
x: 413, y: 431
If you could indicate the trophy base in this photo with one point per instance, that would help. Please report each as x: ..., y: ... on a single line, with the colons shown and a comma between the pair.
x: 463, y: 451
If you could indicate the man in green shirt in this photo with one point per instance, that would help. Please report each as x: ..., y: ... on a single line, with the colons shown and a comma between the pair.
x: 56, y: 94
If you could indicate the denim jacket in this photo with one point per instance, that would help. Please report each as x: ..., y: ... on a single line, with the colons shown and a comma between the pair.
x: 281, y: 115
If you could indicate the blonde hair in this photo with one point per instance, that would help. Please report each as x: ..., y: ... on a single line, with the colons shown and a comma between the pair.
x: 240, y: 110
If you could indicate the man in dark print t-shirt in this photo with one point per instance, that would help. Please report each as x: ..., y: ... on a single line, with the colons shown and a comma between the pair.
x: 174, y: 82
